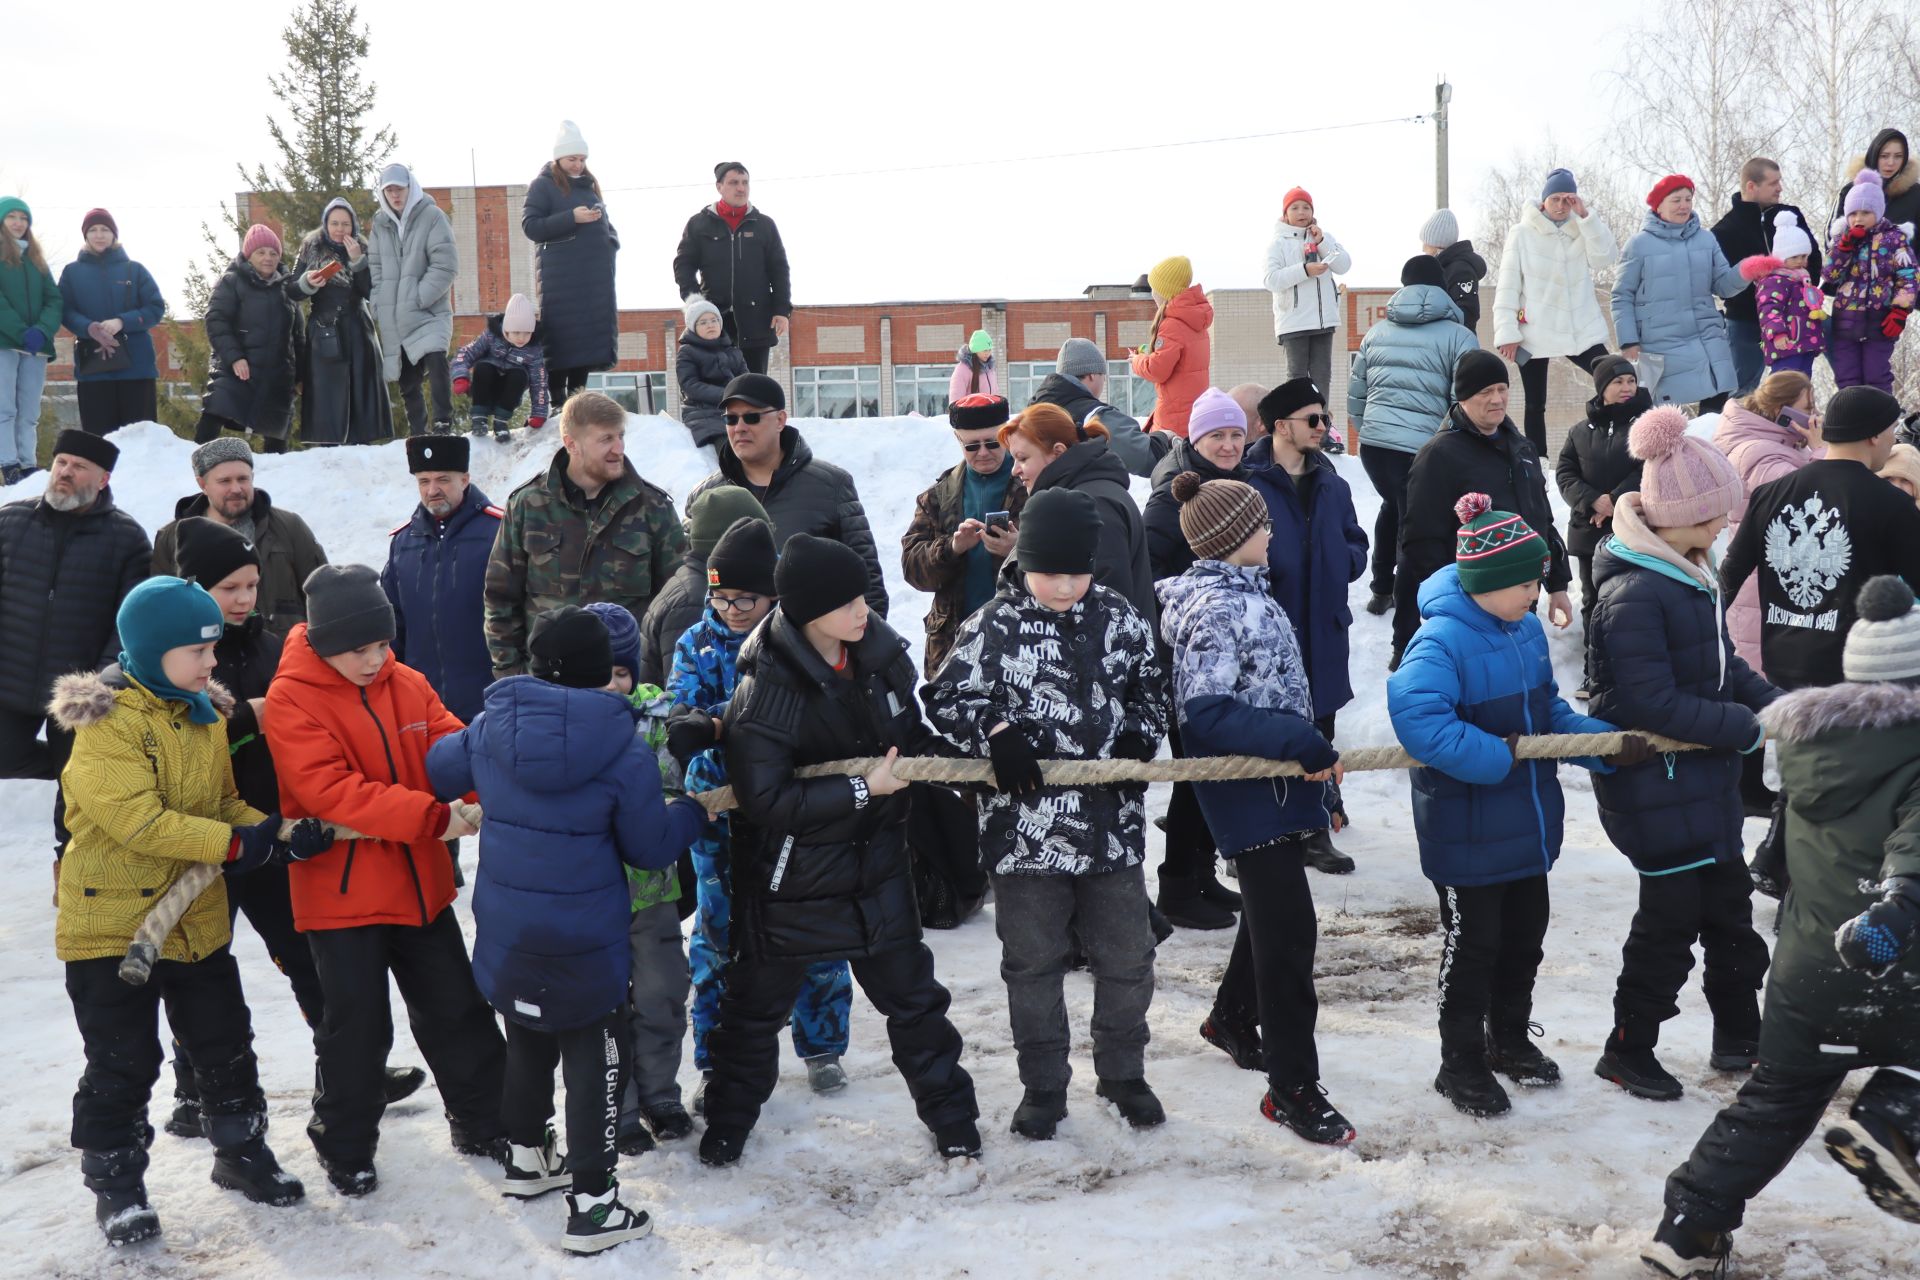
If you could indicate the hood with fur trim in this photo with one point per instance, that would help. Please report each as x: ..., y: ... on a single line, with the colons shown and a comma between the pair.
x: 82, y: 698
x: 1901, y: 183
x: 1807, y: 714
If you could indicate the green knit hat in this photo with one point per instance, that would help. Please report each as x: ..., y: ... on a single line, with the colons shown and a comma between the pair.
x: 980, y: 343
x: 1496, y: 548
x: 713, y: 513
x: 14, y: 204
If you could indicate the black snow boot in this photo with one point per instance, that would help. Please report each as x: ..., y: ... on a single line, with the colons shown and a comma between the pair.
x: 1681, y: 1250
x: 471, y: 1142
x: 1237, y: 1039
x: 251, y: 1170
x: 403, y: 1082
x: 1039, y: 1113
x: 1465, y: 1079
x: 1628, y: 1061
x: 479, y: 424
x: 1182, y: 904
x: 1877, y: 1142
x: 1379, y: 602
x: 668, y: 1120
x: 722, y: 1145
x: 1768, y: 867
x: 1213, y: 891
x: 957, y: 1141
x: 633, y: 1137
x: 184, y: 1120
x: 120, y: 1206
x: 1305, y: 1110
x: 1136, y: 1101
x: 1320, y: 854
x: 1512, y: 1053
x: 1736, y: 1029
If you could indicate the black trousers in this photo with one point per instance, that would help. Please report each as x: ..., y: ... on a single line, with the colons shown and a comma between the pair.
x: 757, y: 353
x: 120, y: 1032
x: 108, y: 406
x: 562, y: 383
x: 1713, y: 904
x: 1190, y: 848
x: 497, y: 390
x: 454, y: 1027
x: 432, y: 367
x: 1748, y: 1144
x: 24, y: 755
x: 589, y: 1058
x: 1533, y: 378
x: 1269, y: 977
x: 1388, y: 470
x: 212, y: 424
x: 744, y: 1045
x: 1491, y: 949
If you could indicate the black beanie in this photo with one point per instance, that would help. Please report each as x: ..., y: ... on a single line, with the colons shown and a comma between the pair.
x: 570, y: 646
x: 743, y: 558
x: 1858, y: 413
x: 1607, y: 368
x: 206, y: 551
x: 346, y: 609
x: 1477, y: 371
x: 815, y: 576
x: 436, y: 453
x: 1059, y: 529
x: 1423, y: 269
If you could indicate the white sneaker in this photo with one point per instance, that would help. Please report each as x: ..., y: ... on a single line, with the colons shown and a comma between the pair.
x: 534, y: 1171
x: 601, y: 1222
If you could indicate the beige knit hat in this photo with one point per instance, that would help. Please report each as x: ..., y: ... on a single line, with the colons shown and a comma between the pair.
x: 1218, y: 515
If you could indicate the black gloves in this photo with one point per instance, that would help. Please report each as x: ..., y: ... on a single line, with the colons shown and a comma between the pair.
x: 1133, y: 745
x: 689, y: 732
x: 1634, y: 750
x: 311, y: 837
x: 1878, y: 937
x: 1016, y: 769
x: 253, y: 846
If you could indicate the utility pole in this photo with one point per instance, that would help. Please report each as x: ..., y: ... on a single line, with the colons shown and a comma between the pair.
x: 1442, y: 96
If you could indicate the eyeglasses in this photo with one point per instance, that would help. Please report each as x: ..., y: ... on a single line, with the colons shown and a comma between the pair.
x: 739, y: 604
x: 977, y: 445
x: 1315, y: 420
x: 751, y: 419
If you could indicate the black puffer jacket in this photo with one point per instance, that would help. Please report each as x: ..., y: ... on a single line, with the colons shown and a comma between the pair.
x: 245, y: 659
x: 62, y: 578
x: 573, y: 273
x: 679, y: 605
x: 1745, y: 231
x: 808, y: 495
x: 1594, y: 461
x: 744, y: 272
x: 1463, y: 270
x: 703, y: 368
x: 1167, y: 549
x: 814, y: 876
x: 1120, y: 558
x: 253, y: 318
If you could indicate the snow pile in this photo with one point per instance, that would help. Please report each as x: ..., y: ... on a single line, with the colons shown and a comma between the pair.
x: 1566, y: 1185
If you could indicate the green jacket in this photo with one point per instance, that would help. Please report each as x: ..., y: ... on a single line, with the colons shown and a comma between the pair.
x: 1850, y: 767
x: 554, y: 549
x: 28, y: 297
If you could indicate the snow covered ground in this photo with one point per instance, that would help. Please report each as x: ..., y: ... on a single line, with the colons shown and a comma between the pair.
x: 1567, y: 1185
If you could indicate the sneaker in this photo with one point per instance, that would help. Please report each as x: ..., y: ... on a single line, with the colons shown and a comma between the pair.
x: 534, y: 1171
x: 601, y: 1222
x: 1637, y: 1071
x: 1320, y: 854
x: 1039, y: 1114
x: 251, y: 1170
x: 700, y: 1094
x: 1136, y: 1101
x: 825, y: 1074
x: 185, y: 1120
x: 1512, y: 1053
x: 957, y: 1141
x: 668, y: 1120
x: 721, y: 1146
x: 1379, y: 603
x: 1878, y: 1154
x: 1305, y: 1110
x: 1241, y: 1043
x: 633, y: 1138
x: 1680, y: 1251
x: 124, y: 1216
x: 403, y: 1082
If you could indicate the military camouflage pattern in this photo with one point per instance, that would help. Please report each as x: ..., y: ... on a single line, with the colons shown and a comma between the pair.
x: 553, y: 550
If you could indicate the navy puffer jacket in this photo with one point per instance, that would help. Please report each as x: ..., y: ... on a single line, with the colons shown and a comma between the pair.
x: 111, y: 286
x: 435, y: 576
x: 1317, y: 549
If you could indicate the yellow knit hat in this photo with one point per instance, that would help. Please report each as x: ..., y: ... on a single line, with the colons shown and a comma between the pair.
x: 1170, y: 277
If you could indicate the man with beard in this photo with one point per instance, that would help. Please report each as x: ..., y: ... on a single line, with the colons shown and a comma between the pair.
x: 287, y: 549
x: 67, y: 560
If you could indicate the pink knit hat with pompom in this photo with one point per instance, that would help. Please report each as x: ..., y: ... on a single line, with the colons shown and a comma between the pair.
x: 1685, y: 481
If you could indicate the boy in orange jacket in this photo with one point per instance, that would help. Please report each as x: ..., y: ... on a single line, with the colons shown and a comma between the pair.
x: 350, y: 726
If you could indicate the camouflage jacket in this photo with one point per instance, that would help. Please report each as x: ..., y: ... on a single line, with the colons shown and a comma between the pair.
x: 555, y: 549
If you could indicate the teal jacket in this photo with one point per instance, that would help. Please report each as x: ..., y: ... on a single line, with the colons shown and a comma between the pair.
x: 28, y: 297
x: 1402, y: 380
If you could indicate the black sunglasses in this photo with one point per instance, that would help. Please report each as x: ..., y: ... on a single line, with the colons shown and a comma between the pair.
x: 753, y: 419
x: 977, y: 445
x: 1314, y: 420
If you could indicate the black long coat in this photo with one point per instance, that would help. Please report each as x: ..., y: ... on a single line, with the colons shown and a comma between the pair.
x: 343, y: 375
x: 573, y: 274
x: 253, y: 318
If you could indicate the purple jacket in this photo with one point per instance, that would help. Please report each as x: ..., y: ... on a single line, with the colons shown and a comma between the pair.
x: 1785, y: 301
x: 1761, y: 452
x: 1863, y: 277
x: 492, y: 347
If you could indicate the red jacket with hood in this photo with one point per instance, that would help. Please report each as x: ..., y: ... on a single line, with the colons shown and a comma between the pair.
x: 1180, y: 365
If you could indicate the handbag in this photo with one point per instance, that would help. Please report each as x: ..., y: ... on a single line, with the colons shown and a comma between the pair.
x: 323, y: 339
x: 91, y: 359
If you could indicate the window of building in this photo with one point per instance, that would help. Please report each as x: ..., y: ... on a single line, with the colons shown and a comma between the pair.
x: 1023, y: 379
x: 837, y: 391
x: 921, y: 388
x: 641, y: 392
x: 1128, y: 394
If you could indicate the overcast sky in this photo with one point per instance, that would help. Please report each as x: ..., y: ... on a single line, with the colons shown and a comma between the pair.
x: 146, y: 113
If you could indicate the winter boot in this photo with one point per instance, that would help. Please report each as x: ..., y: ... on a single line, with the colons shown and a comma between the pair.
x: 441, y: 428
x: 1768, y: 866
x: 10, y: 476
x: 1628, y: 1061
x: 668, y: 1120
x: 1877, y: 1141
x: 1379, y: 603
x: 534, y: 1171
x: 479, y: 424
x: 1039, y: 1113
x: 502, y: 434
x: 402, y: 1082
x: 1733, y: 1053
x: 825, y: 1075
x: 251, y: 1170
x: 1136, y: 1102
x: 1320, y: 854
x: 957, y: 1141
x: 1182, y: 904
x: 601, y: 1222
x: 1511, y: 1052
x: 468, y: 1142
x: 721, y: 1145
x: 1736, y: 1029
x: 700, y: 1093
x: 1680, y: 1250
x: 120, y: 1206
x: 1238, y: 1040
x: 1213, y: 891
x: 1305, y: 1110
x: 184, y: 1121
x: 1465, y: 1079
x: 632, y: 1137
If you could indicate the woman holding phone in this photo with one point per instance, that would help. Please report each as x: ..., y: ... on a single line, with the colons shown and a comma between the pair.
x: 573, y: 266
x: 343, y: 374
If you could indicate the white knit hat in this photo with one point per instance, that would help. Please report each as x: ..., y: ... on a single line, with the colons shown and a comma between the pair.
x: 1440, y: 229
x: 519, y: 316
x: 1790, y: 239
x: 1884, y: 644
x: 571, y: 141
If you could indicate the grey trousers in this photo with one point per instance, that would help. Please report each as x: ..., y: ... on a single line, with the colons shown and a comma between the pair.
x: 658, y: 1011
x: 1038, y: 917
x: 1310, y: 355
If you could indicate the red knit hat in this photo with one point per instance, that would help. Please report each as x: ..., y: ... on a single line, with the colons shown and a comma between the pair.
x: 1295, y: 193
x: 259, y: 236
x: 1667, y: 186
x: 99, y: 218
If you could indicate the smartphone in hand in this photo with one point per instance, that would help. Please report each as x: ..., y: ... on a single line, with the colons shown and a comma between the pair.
x: 997, y: 520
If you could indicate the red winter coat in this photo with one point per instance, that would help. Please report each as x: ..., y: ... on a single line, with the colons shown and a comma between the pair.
x: 358, y: 758
x: 1180, y: 364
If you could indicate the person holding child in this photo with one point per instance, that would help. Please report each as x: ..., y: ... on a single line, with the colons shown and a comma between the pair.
x: 506, y: 364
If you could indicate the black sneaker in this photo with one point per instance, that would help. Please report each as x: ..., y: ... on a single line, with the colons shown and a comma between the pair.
x: 185, y: 1120
x: 1637, y: 1071
x: 1241, y: 1043
x: 1681, y: 1251
x: 1379, y: 603
x: 1136, y: 1101
x: 1320, y: 854
x: 534, y: 1171
x: 957, y: 1141
x: 252, y: 1171
x: 1875, y: 1152
x: 124, y: 1216
x: 1305, y: 1110
x: 721, y: 1146
x: 402, y: 1082
x: 601, y: 1222
x: 1039, y: 1114
x: 668, y: 1120
x: 1512, y: 1053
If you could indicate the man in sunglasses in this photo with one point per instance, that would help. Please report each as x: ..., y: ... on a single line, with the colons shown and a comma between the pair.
x: 801, y: 493
x: 950, y: 549
x: 1316, y: 551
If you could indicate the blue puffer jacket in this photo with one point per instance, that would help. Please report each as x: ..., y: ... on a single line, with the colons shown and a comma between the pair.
x: 1661, y: 661
x: 435, y: 575
x: 572, y: 798
x: 1468, y: 680
x: 1402, y: 380
x: 109, y: 286
x: 1663, y: 301
x: 1317, y: 549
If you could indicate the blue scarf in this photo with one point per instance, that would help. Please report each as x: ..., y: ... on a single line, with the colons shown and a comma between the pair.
x: 199, y: 705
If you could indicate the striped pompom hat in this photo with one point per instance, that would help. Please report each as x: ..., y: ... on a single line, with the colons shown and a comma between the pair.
x: 1496, y: 548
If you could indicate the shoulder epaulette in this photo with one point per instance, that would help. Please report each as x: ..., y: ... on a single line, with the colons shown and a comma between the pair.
x: 400, y: 528
x: 498, y: 513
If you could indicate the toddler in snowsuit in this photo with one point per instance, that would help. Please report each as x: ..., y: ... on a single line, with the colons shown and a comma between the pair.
x: 1870, y: 277
x: 504, y: 364
x: 1661, y: 661
x: 1240, y: 688
x: 707, y: 360
x: 1474, y: 679
x: 150, y: 792
x: 1786, y: 298
x: 1056, y: 666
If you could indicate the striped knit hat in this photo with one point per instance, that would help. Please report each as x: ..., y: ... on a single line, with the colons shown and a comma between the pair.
x: 1496, y: 548
x: 1884, y: 643
x: 1218, y: 515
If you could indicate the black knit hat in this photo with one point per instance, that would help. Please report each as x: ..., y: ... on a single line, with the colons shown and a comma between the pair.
x: 570, y: 646
x: 1288, y: 399
x: 976, y: 412
x: 1858, y: 413
x: 436, y: 453
x: 1423, y: 268
x: 815, y: 576
x: 98, y: 450
x: 1607, y: 368
x: 346, y: 609
x: 206, y: 551
x: 1476, y: 371
x: 743, y: 559
x: 1059, y: 529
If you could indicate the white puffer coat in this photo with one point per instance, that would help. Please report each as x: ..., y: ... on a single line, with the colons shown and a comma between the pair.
x: 1546, y: 300
x: 1303, y: 303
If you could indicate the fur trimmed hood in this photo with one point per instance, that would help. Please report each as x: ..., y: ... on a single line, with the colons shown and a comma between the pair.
x: 1807, y: 714
x: 82, y: 698
x: 1902, y: 182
